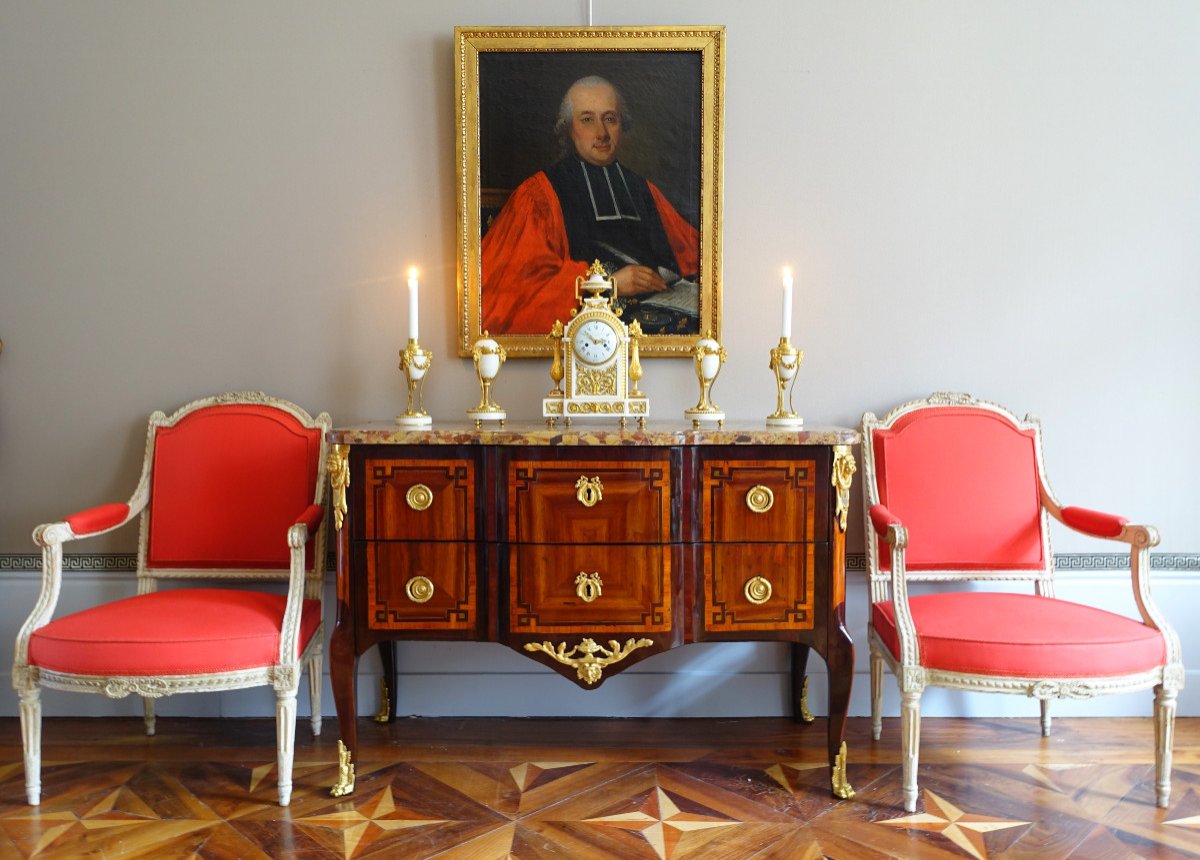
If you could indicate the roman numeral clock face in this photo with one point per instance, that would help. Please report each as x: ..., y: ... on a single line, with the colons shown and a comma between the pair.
x: 595, y: 342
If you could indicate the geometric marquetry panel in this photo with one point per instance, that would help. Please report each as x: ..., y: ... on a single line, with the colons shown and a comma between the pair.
x: 758, y: 587
x: 632, y: 503
x: 635, y: 589
x: 418, y: 500
x: 655, y: 789
x: 420, y: 585
x: 759, y: 500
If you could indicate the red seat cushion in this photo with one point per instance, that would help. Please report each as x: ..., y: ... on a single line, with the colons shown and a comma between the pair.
x: 186, y: 631
x: 1022, y: 635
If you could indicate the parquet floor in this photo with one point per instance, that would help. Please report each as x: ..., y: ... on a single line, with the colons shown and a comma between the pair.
x: 480, y: 789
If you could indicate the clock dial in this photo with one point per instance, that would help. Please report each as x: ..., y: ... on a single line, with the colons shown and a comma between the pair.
x: 595, y: 342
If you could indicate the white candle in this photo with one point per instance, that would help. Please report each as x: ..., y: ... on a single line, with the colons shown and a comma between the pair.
x: 786, y: 330
x: 412, y: 304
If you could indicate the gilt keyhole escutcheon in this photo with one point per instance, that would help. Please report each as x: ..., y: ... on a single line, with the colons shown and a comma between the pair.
x: 588, y: 490
x: 588, y: 586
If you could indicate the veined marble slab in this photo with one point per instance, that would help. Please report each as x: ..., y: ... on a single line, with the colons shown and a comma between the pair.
x: 584, y: 433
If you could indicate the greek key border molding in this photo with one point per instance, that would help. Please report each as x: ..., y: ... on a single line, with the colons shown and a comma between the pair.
x: 1175, y: 561
x: 121, y: 562
x: 111, y: 562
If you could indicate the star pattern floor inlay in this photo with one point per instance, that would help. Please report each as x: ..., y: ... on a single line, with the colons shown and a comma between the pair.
x: 963, y: 829
x: 659, y: 790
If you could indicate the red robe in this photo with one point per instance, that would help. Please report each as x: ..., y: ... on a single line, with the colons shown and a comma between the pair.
x: 528, y: 275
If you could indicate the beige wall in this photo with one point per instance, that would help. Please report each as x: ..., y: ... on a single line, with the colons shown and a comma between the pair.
x: 995, y: 197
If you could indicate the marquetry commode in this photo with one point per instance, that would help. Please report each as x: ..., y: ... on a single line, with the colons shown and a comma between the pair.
x: 592, y: 549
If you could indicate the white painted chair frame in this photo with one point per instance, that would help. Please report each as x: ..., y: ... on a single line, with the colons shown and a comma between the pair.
x: 284, y: 677
x: 913, y: 678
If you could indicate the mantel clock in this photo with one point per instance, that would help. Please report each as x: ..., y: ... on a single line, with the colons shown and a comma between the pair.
x: 596, y: 358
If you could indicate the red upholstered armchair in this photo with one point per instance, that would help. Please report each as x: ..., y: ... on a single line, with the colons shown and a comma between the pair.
x: 231, y: 490
x: 955, y: 490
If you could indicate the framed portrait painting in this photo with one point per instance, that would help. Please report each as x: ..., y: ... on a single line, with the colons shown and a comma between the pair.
x: 582, y: 144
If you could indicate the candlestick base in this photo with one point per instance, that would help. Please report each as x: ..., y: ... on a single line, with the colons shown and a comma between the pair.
x: 708, y: 356
x: 414, y: 363
x: 414, y: 420
x: 700, y: 416
x: 785, y: 361
x: 481, y: 415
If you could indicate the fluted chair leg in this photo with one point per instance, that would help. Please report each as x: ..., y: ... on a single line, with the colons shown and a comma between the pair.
x: 876, y: 694
x: 910, y: 741
x: 1045, y: 703
x: 1164, y: 735
x: 148, y: 715
x: 315, y: 681
x: 285, y: 740
x: 31, y: 740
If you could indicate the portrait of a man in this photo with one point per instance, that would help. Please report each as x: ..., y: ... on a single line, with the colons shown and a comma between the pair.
x: 590, y: 206
x: 581, y: 145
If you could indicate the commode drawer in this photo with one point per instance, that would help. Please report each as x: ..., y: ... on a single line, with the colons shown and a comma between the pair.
x: 758, y: 586
x: 758, y: 500
x: 589, y: 501
x: 589, y: 588
x: 420, y: 585
x: 417, y: 499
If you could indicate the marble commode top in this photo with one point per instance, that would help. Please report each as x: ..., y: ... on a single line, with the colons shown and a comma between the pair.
x: 584, y: 433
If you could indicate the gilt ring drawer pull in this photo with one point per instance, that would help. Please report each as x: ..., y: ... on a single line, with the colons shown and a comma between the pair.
x: 419, y: 589
x: 759, y: 499
x: 757, y: 590
x: 588, y: 586
x: 419, y: 497
x: 588, y: 490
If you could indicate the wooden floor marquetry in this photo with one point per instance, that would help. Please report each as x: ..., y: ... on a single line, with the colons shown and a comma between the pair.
x: 491, y: 789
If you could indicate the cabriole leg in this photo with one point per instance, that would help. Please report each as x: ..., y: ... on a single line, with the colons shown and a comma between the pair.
x: 800, y: 711
x: 910, y: 741
x: 1164, y: 737
x: 31, y: 740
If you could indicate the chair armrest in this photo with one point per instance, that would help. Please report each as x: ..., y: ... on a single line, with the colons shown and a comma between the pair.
x: 1106, y: 526
x: 881, y: 518
x: 1094, y: 523
x: 312, y: 517
x: 306, y: 526
x: 299, y: 534
x: 888, y: 526
x: 86, y: 523
x: 98, y: 519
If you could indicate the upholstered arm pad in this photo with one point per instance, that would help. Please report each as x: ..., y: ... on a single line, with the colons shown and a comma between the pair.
x: 93, y: 521
x: 306, y: 526
x: 1095, y: 523
x: 882, y: 519
x: 311, y: 518
x: 98, y: 519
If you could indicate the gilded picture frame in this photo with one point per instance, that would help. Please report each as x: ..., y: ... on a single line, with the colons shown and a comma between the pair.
x: 642, y: 193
